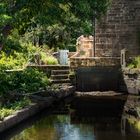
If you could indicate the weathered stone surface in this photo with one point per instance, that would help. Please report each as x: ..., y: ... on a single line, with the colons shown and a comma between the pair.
x: 84, y: 46
x: 132, y: 81
x: 132, y: 106
x: 94, y: 61
x: 119, y: 29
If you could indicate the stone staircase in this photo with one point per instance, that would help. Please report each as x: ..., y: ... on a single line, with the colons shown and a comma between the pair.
x: 60, y: 75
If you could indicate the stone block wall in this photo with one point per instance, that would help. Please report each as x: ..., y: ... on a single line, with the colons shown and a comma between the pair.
x: 132, y: 80
x: 84, y: 46
x: 119, y: 29
x: 77, y: 62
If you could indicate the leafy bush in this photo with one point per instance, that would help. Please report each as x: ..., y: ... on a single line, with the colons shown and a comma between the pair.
x: 15, y: 61
x: 45, y: 56
x: 28, y: 80
x: 17, y: 53
x: 31, y: 80
x: 135, y: 63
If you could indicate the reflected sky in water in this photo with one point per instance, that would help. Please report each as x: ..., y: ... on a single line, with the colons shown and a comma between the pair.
x: 60, y: 127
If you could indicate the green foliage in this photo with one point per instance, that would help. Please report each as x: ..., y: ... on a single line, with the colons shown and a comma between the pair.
x: 28, y: 80
x: 14, y: 61
x: 55, y: 23
x: 5, y: 18
x: 19, y: 104
x: 135, y: 63
x: 135, y: 124
x: 4, y: 112
x: 131, y: 66
x: 9, y: 109
x: 51, y: 60
x: 32, y: 80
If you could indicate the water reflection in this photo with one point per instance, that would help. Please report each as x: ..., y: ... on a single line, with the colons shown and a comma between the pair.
x: 64, y: 127
x: 56, y: 127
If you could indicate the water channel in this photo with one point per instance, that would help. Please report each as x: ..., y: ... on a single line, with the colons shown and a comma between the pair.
x: 52, y: 125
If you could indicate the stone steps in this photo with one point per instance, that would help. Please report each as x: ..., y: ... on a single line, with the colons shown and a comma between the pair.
x: 64, y: 76
x: 60, y: 75
x: 60, y: 81
x: 59, y: 67
x: 58, y: 72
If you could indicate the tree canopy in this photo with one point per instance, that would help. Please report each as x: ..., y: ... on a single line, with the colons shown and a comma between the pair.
x: 54, y: 22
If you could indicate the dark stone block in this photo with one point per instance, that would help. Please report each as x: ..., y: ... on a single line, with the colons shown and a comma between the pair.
x: 97, y: 79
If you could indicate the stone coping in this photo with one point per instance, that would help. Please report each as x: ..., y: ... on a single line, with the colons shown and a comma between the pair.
x: 94, y: 61
x: 102, y: 95
x: 48, y: 65
x: 20, y: 115
x: 95, y: 58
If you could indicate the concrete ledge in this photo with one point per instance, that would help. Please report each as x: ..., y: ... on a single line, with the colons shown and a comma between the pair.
x: 23, y: 114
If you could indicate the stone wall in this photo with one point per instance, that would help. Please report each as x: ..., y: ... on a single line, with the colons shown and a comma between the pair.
x: 94, y: 61
x: 132, y: 80
x: 119, y: 29
x: 84, y: 46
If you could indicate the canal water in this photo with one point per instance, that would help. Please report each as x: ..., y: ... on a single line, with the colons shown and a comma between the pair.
x: 53, y: 126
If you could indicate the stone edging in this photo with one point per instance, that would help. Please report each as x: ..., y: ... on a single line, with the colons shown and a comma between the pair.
x: 33, y: 109
x: 23, y: 114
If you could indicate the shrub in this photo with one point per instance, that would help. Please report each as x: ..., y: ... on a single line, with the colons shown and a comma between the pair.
x: 45, y: 55
x: 50, y: 60
x: 28, y: 80
x: 135, y: 63
x: 31, y: 80
x: 15, y: 61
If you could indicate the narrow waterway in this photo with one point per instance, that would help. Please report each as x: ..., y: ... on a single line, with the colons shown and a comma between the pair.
x: 51, y: 126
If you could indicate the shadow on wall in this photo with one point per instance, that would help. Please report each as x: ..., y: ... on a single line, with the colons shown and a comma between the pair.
x: 100, y: 78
